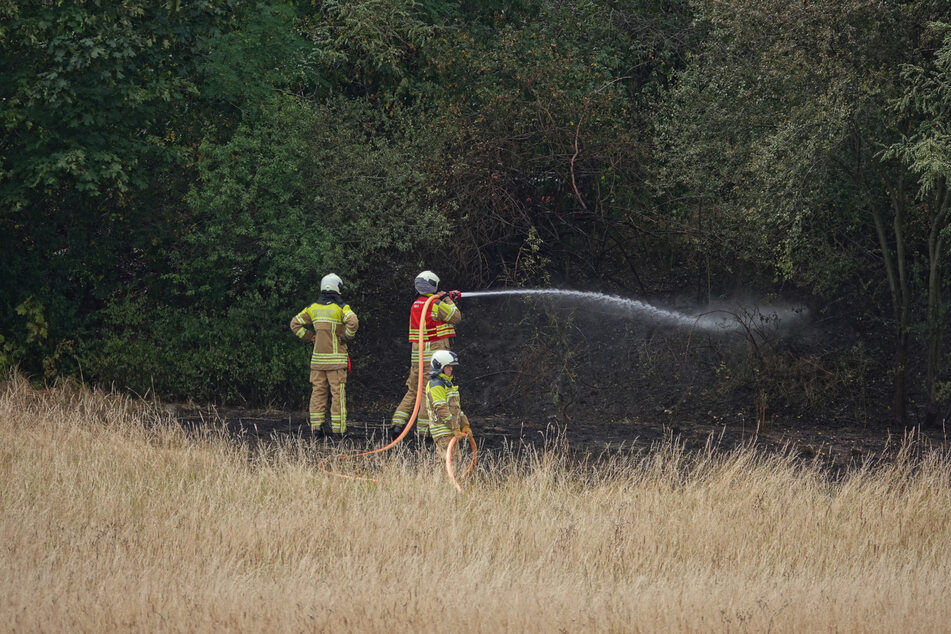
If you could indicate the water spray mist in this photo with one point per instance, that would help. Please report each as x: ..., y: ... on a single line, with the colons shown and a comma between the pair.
x: 716, y: 321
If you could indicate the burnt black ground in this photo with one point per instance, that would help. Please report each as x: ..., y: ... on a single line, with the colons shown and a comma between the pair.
x: 591, y: 379
x: 838, y: 448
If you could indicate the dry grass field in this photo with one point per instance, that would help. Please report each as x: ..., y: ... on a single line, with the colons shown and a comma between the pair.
x: 113, y: 518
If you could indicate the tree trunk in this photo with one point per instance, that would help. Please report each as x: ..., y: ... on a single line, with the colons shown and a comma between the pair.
x: 702, y: 259
x: 898, y: 285
x: 935, y: 306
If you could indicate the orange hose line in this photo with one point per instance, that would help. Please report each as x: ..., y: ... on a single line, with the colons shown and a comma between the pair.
x: 321, y: 466
x: 449, y: 470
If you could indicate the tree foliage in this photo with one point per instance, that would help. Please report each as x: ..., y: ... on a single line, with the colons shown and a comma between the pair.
x: 89, y: 97
x: 548, y: 131
x: 780, y: 126
x: 176, y: 177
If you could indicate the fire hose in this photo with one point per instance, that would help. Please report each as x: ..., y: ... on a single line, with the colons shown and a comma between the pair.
x: 322, y: 465
x: 452, y: 476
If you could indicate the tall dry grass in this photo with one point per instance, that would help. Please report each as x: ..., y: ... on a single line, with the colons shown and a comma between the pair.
x: 113, y: 519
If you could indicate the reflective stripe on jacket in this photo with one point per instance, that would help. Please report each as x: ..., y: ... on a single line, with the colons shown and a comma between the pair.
x: 439, y: 322
x: 333, y: 326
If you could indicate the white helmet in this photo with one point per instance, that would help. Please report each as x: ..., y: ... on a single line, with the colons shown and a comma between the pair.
x: 426, y: 282
x: 442, y: 358
x: 332, y: 283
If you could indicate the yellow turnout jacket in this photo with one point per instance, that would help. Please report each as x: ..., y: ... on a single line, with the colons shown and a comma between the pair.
x: 333, y: 326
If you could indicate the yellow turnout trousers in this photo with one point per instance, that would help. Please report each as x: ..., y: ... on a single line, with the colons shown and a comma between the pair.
x: 335, y: 382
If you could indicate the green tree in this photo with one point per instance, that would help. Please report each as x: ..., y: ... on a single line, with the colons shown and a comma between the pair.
x: 925, y: 106
x: 103, y: 105
x: 545, y: 113
x: 86, y: 91
x: 299, y: 190
x: 371, y: 48
x: 776, y: 129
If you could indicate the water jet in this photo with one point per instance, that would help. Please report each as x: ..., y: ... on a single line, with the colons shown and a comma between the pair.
x: 718, y: 320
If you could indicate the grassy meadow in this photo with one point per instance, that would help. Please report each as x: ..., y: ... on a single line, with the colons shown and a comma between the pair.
x: 113, y: 518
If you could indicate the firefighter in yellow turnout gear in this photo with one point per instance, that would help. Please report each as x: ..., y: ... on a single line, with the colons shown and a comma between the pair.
x: 443, y: 403
x: 439, y: 329
x: 333, y: 324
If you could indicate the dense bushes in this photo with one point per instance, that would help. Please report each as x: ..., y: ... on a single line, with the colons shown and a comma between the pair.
x: 175, y: 179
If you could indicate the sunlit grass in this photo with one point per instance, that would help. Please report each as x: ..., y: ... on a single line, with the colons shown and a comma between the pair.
x: 112, y: 517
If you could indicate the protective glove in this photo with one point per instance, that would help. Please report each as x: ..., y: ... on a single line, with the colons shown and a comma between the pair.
x: 310, y: 336
x: 466, y: 430
x: 455, y: 295
x: 458, y: 434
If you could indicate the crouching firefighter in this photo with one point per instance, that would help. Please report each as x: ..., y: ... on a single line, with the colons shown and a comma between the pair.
x: 446, y: 418
x: 333, y: 324
x: 439, y: 328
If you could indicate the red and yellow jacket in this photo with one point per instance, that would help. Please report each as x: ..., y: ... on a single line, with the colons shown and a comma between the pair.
x: 440, y: 322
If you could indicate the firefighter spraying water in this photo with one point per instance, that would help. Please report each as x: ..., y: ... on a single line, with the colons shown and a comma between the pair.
x: 428, y: 332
